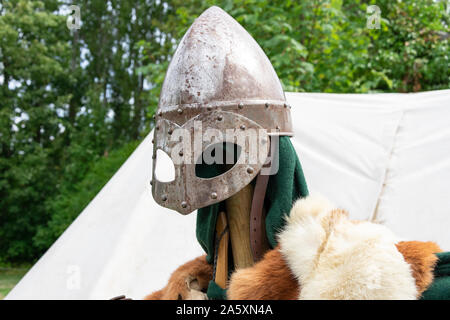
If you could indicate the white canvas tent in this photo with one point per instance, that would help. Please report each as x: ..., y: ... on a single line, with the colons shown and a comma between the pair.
x: 383, y: 157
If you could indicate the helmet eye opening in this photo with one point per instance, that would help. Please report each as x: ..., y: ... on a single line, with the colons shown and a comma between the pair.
x: 217, y: 159
x: 164, y: 167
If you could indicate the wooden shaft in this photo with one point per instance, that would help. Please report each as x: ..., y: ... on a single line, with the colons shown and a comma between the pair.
x: 238, y: 214
x: 222, y: 255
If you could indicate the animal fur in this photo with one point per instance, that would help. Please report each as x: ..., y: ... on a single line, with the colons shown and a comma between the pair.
x: 422, y: 259
x: 259, y: 283
x: 188, y: 282
x: 269, y: 279
x: 324, y: 240
x: 335, y: 258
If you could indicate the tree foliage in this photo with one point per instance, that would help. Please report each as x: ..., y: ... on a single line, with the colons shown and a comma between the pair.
x: 73, y: 104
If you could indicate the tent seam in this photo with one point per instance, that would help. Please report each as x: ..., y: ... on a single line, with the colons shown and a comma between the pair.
x: 374, y: 215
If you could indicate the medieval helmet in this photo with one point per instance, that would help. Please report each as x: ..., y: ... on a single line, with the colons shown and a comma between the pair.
x: 219, y: 79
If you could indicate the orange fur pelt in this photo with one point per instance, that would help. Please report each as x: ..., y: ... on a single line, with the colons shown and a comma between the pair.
x: 271, y: 278
x: 188, y: 282
x: 324, y: 255
x: 420, y: 256
x: 358, y: 250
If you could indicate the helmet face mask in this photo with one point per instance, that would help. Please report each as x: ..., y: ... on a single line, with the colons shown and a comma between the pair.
x: 219, y: 88
x: 194, y: 143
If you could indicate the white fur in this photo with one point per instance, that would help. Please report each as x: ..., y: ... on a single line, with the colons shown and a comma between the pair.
x: 335, y: 258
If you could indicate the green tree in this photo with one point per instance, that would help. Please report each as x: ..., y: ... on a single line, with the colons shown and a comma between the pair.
x: 34, y: 55
x: 325, y: 45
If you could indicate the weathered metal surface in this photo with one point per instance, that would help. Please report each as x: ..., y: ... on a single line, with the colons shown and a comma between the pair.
x: 217, y: 71
x: 219, y: 65
x: 187, y: 192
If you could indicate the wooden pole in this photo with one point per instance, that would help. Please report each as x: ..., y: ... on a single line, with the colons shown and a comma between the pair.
x: 221, y: 277
x: 238, y: 215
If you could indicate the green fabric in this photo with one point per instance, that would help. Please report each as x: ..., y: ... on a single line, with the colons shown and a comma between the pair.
x: 440, y: 288
x: 283, y: 189
x: 215, y: 292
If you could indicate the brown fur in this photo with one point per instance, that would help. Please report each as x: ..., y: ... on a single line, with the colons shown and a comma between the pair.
x: 269, y: 279
x: 186, y: 282
x: 420, y: 256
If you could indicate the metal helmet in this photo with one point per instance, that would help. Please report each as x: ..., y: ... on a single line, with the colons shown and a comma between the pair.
x: 219, y: 79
